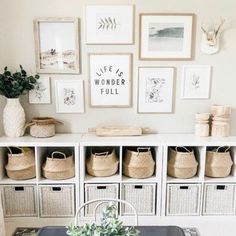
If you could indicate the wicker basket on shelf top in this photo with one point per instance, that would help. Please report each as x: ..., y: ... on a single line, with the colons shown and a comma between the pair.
x: 21, y: 163
x: 138, y: 163
x: 43, y: 127
x: 182, y: 163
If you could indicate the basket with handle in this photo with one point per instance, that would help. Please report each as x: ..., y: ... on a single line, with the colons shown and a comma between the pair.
x: 218, y: 162
x: 58, y: 166
x: 100, y: 202
x: 182, y: 163
x: 138, y: 163
x: 102, y: 162
x: 21, y: 165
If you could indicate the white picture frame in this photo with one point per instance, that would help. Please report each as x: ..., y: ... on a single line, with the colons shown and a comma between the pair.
x: 196, y: 82
x: 41, y: 94
x: 109, y: 24
x: 165, y: 36
x: 110, y: 80
x: 155, y: 89
x: 57, y: 45
x: 69, y: 96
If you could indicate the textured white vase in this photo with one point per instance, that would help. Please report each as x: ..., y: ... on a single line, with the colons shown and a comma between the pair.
x: 13, y: 118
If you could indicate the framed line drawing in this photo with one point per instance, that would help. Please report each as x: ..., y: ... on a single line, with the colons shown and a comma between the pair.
x: 109, y: 24
x: 69, y: 96
x: 196, y: 82
x: 57, y: 45
x: 41, y: 94
x: 110, y: 80
x: 155, y: 89
x: 165, y: 36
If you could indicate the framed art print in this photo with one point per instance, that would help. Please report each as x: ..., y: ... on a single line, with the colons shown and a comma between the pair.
x: 41, y: 94
x: 196, y: 82
x: 69, y: 96
x: 166, y: 36
x: 57, y: 45
x: 110, y: 80
x: 109, y: 24
x: 155, y: 89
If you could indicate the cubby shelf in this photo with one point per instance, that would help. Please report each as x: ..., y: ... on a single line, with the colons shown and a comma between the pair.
x: 79, y: 145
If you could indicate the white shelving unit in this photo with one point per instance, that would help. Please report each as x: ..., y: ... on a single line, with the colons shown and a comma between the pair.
x: 157, y: 186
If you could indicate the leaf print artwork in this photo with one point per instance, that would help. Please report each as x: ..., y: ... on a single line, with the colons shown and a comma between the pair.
x: 196, y: 81
x: 69, y: 97
x: 39, y: 90
x: 107, y: 23
x: 153, y: 90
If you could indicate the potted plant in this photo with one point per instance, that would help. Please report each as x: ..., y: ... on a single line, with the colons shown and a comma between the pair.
x: 110, y: 226
x: 12, y: 85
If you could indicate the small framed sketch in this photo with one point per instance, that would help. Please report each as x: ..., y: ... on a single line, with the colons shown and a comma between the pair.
x: 196, y: 82
x: 41, y: 94
x: 155, y: 89
x: 110, y: 80
x: 110, y: 24
x: 165, y: 36
x: 69, y: 96
x: 57, y: 45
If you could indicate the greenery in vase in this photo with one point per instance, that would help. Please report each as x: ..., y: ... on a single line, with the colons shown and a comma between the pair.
x: 12, y: 85
x: 110, y: 226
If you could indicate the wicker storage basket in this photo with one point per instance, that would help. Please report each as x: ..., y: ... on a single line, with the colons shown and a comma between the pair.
x: 57, y: 200
x: 182, y: 163
x: 99, y: 191
x: 218, y: 162
x: 21, y: 163
x: 102, y: 162
x: 139, y: 193
x: 58, y: 166
x: 138, y: 163
x: 183, y: 199
x: 219, y: 199
x: 42, y: 127
x: 19, y: 200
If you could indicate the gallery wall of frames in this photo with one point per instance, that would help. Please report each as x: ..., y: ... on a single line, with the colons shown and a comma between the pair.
x: 138, y: 63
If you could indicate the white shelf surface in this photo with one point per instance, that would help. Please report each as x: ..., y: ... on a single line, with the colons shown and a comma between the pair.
x: 7, y: 180
x: 110, y: 179
x: 64, y: 181
x: 152, y: 179
x: 194, y: 179
x: 228, y: 179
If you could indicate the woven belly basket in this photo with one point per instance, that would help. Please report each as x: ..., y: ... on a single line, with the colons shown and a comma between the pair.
x: 138, y: 163
x: 21, y: 163
x: 102, y: 162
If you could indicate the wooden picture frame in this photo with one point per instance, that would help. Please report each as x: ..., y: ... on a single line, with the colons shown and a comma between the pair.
x: 160, y: 32
x: 155, y: 89
x: 57, y: 45
x: 118, y: 80
x: 105, y: 25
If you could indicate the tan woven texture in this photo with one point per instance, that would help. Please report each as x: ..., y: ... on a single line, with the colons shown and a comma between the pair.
x: 218, y: 163
x: 102, y: 162
x: 58, y: 166
x: 182, y: 163
x: 21, y: 166
x: 138, y: 163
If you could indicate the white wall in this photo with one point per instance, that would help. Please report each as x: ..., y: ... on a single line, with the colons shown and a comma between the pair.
x: 17, y: 47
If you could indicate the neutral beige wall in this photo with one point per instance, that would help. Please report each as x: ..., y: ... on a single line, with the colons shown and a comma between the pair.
x: 17, y: 45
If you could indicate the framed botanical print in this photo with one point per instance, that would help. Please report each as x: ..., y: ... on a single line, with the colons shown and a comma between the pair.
x: 41, y: 94
x: 69, y: 96
x: 109, y: 24
x: 57, y: 45
x: 166, y: 36
x: 196, y: 82
x: 155, y: 89
x: 110, y: 80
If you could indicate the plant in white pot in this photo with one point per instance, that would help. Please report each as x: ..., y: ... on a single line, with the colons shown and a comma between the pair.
x: 12, y: 85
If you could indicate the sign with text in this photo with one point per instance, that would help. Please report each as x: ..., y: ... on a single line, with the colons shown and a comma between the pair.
x: 110, y: 80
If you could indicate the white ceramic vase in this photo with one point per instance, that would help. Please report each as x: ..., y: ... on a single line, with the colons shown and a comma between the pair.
x: 13, y: 118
